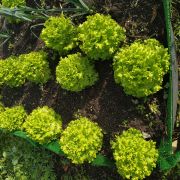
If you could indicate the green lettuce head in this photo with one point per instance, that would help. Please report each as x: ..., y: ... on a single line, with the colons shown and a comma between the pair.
x: 59, y: 34
x: 100, y: 36
x: 13, y: 3
x: 43, y: 125
x: 135, y: 157
x: 140, y: 67
x: 11, y: 119
x: 75, y: 73
x: 81, y: 140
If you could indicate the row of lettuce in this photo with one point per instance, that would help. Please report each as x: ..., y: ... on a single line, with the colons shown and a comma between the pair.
x: 82, y: 139
x: 139, y: 67
x: 138, y: 74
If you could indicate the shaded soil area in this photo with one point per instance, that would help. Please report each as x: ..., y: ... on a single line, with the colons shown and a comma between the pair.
x: 141, y: 19
x: 105, y: 103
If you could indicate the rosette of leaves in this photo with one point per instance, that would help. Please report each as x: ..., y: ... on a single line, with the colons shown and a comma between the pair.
x: 13, y: 3
x: 59, y: 34
x: 12, y: 118
x: 35, y: 67
x: 135, y: 157
x: 81, y: 140
x: 14, y: 71
x: 140, y: 67
x: 100, y: 36
x: 75, y: 73
x: 11, y: 72
x: 19, y: 160
x: 43, y: 125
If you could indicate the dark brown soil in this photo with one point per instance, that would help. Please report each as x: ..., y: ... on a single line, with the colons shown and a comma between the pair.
x: 141, y: 19
x: 105, y: 103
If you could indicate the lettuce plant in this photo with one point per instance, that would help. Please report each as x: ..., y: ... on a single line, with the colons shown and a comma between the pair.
x: 12, y: 118
x: 75, y: 73
x: 81, y: 140
x: 59, y: 34
x: 43, y: 125
x: 19, y: 160
x: 100, y: 36
x: 140, y: 67
x: 11, y: 72
x: 35, y: 67
x: 13, y: 3
x: 135, y: 157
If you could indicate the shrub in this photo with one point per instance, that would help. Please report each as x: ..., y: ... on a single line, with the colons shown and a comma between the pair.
x: 35, y: 67
x: 12, y: 118
x: 135, y: 157
x: 59, y: 34
x: 140, y: 67
x: 81, y: 140
x: 13, y: 3
x: 43, y: 125
x: 75, y: 73
x: 11, y: 72
x: 20, y: 160
x: 100, y: 36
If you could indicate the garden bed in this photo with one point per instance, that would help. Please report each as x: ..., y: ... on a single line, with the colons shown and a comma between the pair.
x: 105, y: 102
